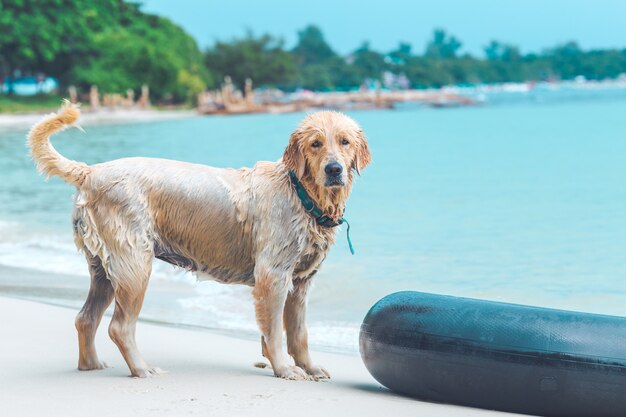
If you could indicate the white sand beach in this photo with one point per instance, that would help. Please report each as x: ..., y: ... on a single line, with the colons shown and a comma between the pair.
x: 207, y: 374
x: 104, y: 116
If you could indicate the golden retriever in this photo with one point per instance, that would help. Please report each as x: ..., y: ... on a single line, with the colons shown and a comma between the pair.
x: 238, y: 226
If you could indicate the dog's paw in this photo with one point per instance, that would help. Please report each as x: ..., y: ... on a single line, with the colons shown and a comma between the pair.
x: 317, y: 372
x: 92, y: 365
x: 293, y: 373
x: 147, y: 373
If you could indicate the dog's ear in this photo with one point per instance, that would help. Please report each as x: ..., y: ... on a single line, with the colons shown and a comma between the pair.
x: 293, y: 156
x: 363, y: 157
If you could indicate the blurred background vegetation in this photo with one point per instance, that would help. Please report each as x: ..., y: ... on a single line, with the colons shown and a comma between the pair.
x: 115, y: 45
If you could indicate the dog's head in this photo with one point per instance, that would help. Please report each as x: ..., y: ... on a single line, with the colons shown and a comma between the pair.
x: 325, y: 148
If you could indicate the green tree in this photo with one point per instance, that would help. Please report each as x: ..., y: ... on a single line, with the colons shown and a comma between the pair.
x: 500, y: 51
x: 343, y: 76
x: 116, y: 46
x: 261, y: 59
x: 146, y: 50
x: 109, y: 43
x: 319, y: 66
x: 312, y: 48
x: 401, y: 54
x: 504, y: 63
x: 316, y: 77
x: 566, y: 60
x: 442, y: 45
x: 52, y: 36
x: 368, y: 63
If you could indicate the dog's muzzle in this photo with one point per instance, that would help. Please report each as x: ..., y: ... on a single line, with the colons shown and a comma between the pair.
x: 334, y: 175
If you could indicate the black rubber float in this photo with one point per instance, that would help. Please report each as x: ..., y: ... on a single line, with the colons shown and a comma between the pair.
x: 497, y: 356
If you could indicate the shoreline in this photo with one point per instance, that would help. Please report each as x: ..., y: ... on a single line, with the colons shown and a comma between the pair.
x: 208, y: 374
x: 101, y: 117
x: 69, y: 291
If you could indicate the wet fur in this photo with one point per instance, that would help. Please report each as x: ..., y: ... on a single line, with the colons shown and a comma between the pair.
x: 243, y: 226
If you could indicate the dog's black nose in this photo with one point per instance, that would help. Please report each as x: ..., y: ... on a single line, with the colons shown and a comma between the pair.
x: 334, y: 169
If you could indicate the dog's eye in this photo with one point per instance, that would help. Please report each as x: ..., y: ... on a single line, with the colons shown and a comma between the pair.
x: 345, y: 142
x: 316, y: 144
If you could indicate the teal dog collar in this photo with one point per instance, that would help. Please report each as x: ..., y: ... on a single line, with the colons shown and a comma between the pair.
x: 310, y: 207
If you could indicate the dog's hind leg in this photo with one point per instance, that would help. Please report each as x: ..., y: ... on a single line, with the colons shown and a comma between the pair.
x: 98, y: 299
x: 130, y: 282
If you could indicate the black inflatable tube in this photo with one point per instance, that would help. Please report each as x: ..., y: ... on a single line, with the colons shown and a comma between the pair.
x: 497, y: 356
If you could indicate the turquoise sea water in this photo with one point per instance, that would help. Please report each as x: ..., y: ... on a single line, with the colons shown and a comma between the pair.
x: 515, y: 200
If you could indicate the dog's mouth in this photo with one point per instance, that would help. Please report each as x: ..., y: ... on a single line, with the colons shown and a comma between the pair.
x: 334, y: 182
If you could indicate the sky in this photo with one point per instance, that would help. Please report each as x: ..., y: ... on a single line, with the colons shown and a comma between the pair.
x: 531, y: 25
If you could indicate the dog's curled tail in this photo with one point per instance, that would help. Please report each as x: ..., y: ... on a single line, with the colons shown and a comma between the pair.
x: 47, y: 159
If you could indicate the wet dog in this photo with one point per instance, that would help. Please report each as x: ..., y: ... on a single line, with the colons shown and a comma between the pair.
x: 237, y: 226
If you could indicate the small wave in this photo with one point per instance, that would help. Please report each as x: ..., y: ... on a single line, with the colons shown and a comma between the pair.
x: 221, y: 306
x: 58, y: 254
x: 44, y: 254
x: 338, y: 336
x: 205, y: 303
x: 231, y: 308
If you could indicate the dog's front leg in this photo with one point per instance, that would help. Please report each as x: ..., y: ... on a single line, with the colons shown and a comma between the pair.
x: 270, y: 293
x: 295, y: 326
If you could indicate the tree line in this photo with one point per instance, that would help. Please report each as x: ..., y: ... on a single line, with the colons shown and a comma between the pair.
x: 115, y: 45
